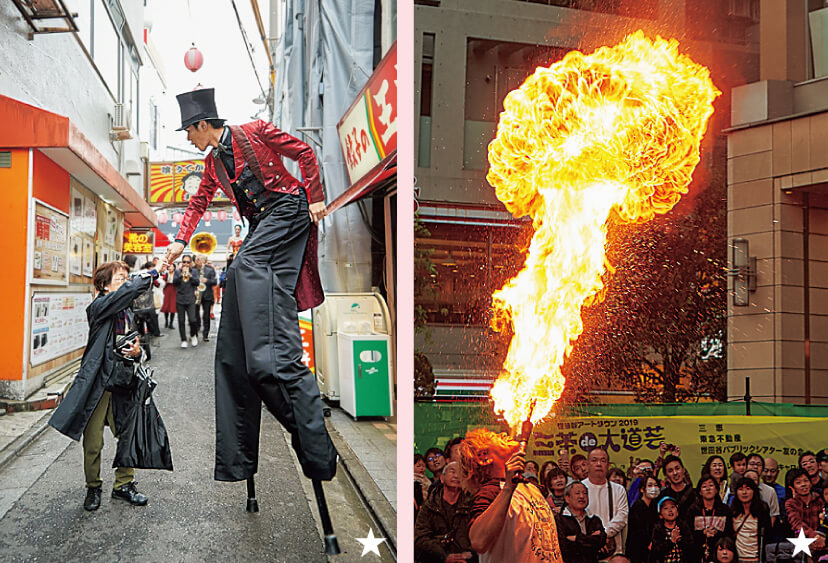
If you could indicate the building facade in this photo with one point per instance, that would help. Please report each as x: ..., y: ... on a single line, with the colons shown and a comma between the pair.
x: 468, y: 56
x: 73, y: 165
x: 778, y: 212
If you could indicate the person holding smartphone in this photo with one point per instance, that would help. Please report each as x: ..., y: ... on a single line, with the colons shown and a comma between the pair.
x: 88, y: 406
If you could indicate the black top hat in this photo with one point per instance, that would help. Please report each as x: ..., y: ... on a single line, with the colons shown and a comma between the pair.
x: 198, y: 105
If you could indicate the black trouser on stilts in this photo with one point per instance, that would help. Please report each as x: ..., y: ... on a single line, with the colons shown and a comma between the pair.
x: 259, y: 350
x: 190, y: 312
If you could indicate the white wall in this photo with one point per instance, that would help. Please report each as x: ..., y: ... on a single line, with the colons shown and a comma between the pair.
x: 53, y: 72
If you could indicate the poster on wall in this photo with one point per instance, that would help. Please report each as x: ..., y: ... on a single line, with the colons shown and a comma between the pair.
x: 90, y: 217
x: 110, y: 227
x: 51, y: 240
x: 75, y: 255
x: 76, y: 218
x: 58, y: 325
x: 88, y: 257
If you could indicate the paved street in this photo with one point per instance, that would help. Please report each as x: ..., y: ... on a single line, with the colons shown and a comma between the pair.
x: 190, y: 517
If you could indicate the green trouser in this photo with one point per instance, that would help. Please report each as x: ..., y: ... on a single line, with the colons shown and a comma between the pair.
x: 93, y: 444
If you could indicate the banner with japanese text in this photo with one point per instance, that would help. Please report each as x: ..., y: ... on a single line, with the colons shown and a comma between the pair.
x: 630, y: 438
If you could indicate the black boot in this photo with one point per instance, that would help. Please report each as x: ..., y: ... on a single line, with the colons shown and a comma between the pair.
x: 130, y: 494
x: 93, y: 499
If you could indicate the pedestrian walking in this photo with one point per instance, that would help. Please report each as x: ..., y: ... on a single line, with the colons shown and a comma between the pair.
x: 274, y: 274
x: 186, y: 280
x: 93, y: 401
x: 209, y: 279
x: 169, y: 306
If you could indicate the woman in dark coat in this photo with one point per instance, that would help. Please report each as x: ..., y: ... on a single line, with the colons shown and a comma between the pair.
x: 168, y: 306
x: 87, y: 406
x: 642, y: 519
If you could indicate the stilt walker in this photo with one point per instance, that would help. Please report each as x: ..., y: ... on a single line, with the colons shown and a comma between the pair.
x: 273, y: 276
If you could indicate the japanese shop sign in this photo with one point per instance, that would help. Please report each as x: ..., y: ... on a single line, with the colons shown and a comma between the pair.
x: 177, y: 182
x: 368, y: 130
x: 138, y: 242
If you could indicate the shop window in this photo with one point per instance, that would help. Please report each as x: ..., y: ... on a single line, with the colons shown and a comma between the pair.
x: 469, y: 263
x: 106, y: 50
x: 83, y: 19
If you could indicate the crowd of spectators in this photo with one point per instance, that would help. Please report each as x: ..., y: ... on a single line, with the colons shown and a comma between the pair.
x: 656, y: 511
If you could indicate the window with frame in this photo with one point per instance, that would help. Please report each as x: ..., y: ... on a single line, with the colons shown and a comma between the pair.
x: 470, y: 262
x: 106, y: 49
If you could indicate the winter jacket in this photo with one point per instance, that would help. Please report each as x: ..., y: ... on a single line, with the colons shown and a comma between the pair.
x: 437, y: 534
x: 585, y: 547
x: 662, y: 545
x: 642, y: 520
x: 697, y: 518
x: 185, y: 290
x: 98, y: 362
x: 804, y: 513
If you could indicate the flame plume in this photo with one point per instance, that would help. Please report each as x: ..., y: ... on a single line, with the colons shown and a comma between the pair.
x: 617, y: 131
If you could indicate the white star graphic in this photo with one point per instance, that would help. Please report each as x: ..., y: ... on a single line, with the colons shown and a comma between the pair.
x: 370, y: 543
x: 801, y: 543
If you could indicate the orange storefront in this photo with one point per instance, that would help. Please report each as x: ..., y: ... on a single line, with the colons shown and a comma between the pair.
x: 64, y: 209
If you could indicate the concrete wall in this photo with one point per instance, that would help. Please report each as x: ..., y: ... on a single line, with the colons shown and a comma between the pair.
x: 53, y: 72
x: 457, y: 21
x: 774, y: 176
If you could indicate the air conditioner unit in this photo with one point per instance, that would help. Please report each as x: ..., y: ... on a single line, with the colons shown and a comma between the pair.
x: 120, y: 130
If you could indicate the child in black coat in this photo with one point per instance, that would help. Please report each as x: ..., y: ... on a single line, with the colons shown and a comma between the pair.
x: 672, y: 539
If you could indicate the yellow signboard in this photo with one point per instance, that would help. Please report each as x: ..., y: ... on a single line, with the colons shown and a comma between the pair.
x: 628, y: 439
x: 176, y: 182
x: 138, y: 242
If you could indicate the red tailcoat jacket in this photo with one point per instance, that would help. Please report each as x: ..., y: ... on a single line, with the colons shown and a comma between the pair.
x: 269, y: 144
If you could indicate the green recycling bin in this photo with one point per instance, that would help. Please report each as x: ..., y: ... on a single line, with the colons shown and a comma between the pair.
x: 365, y: 374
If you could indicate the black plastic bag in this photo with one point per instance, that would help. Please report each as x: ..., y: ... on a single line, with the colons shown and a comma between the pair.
x: 143, y: 442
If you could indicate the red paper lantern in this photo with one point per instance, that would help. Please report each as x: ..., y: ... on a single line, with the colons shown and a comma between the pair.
x: 222, y: 215
x: 208, y: 215
x: 236, y: 216
x: 161, y: 216
x: 177, y: 217
x: 193, y: 59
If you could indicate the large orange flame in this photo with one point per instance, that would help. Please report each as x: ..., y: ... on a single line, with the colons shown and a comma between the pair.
x: 615, y: 131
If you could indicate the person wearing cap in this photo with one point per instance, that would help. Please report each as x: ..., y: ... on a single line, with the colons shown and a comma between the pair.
x: 273, y: 276
x: 672, y: 539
